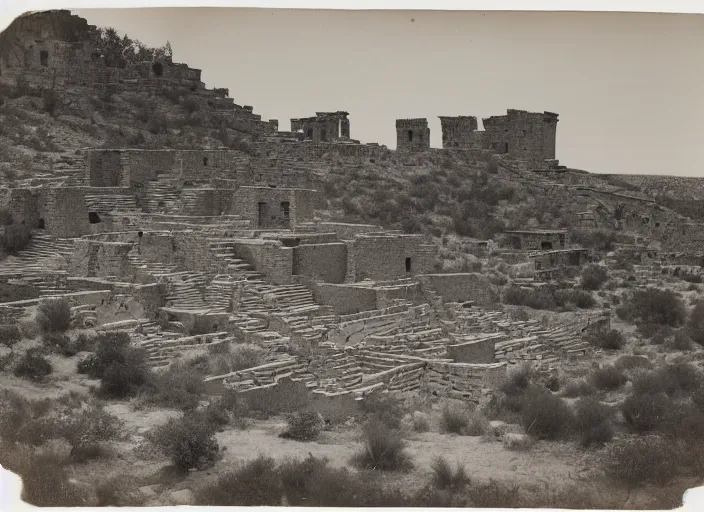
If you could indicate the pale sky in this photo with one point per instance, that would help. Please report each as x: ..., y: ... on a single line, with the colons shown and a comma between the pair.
x: 628, y: 87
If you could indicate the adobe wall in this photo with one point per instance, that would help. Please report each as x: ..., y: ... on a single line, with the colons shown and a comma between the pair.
x: 412, y: 135
x: 325, y: 262
x: 345, y: 299
x: 461, y: 287
x: 384, y: 257
x: 246, y: 201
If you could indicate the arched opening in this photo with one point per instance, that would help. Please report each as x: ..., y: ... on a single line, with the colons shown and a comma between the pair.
x: 408, y: 265
x: 158, y: 68
x: 44, y: 58
x: 309, y: 133
x: 40, y: 224
x: 546, y: 246
x: 93, y: 218
x: 410, y: 135
x: 205, y: 161
x: 140, y: 234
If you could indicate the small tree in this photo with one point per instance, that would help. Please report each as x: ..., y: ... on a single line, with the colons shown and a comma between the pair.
x: 10, y: 335
x: 593, y: 276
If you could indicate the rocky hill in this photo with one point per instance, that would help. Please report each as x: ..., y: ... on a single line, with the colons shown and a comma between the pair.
x: 67, y: 85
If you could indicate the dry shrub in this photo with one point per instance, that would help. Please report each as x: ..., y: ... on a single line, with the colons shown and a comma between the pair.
x: 545, y: 416
x: 10, y: 335
x: 180, y: 386
x: 254, y: 484
x: 454, y: 420
x: 45, y: 481
x: 631, y: 362
x: 383, y: 407
x: 578, y: 387
x: 303, y: 426
x: 33, y: 366
x: 187, y: 441
x: 593, y: 422
x: 646, y: 412
x: 54, y: 315
x: 612, y: 340
x: 638, y: 460
x: 446, y: 478
x: 383, y: 449
x: 593, y: 276
x: 607, y: 378
x: 421, y: 422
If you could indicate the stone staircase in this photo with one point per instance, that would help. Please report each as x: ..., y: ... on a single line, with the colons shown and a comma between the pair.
x: 43, y: 254
x: 223, y: 251
x: 186, y: 291
x: 153, y: 268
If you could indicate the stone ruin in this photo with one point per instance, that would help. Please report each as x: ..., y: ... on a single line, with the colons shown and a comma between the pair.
x: 188, y: 249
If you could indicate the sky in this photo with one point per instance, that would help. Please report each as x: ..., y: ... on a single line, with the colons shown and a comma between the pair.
x: 627, y: 86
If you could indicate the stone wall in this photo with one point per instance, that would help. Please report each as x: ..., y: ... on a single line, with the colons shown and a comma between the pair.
x: 458, y: 132
x: 269, y: 257
x: 95, y: 258
x: 384, y: 257
x: 522, y: 135
x: 268, y: 207
x: 475, y: 351
x: 323, y: 127
x: 412, y: 135
x: 23, y: 204
x: 536, y: 240
x: 461, y: 288
x: 345, y: 299
x: 322, y: 262
x: 64, y: 212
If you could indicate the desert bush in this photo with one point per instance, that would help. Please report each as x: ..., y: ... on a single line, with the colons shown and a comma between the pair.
x: 180, y: 386
x: 445, y: 478
x: 578, y: 387
x: 10, y: 335
x: 518, y: 380
x: 654, y: 306
x: 607, y: 378
x: 680, y: 378
x: 187, y: 441
x: 238, y: 357
x: 122, y: 369
x: 421, y: 421
x: 593, y: 276
x: 384, y: 407
x: 59, y: 342
x: 33, y: 366
x: 45, y: 480
x: 691, y: 278
x: 646, y: 412
x: 593, y: 422
x: 255, y: 483
x: 638, y: 460
x: 303, y: 426
x: 612, y: 340
x: 682, y: 341
x: 545, y: 416
x: 454, y: 420
x: 54, y: 315
x: 632, y: 362
x: 535, y: 299
x: 383, y: 449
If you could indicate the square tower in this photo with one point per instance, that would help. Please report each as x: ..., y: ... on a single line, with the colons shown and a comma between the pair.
x: 412, y: 134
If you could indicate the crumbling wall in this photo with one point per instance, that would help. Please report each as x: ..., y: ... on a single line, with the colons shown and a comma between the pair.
x: 323, y: 127
x: 459, y: 132
x: 23, y: 205
x: 475, y: 351
x: 326, y: 262
x: 96, y: 258
x: 536, y: 240
x: 64, y: 212
x: 522, y: 135
x: 345, y: 299
x: 269, y: 257
x: 461, y: 287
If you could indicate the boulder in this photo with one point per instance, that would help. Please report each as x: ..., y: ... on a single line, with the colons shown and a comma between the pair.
x: 514, y: 441
x: 182, y: 497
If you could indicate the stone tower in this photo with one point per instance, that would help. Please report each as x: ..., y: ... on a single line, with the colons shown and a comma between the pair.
x: 412, y: 134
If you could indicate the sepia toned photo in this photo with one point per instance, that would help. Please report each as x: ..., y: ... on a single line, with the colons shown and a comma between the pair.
x: 291, y: 257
